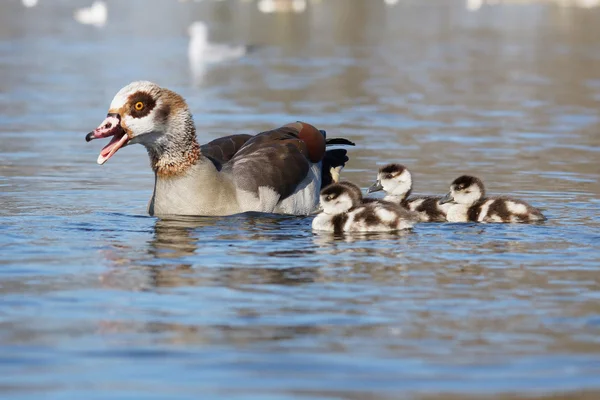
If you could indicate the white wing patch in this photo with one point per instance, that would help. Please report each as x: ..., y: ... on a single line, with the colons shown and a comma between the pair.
x: 306, y: 197
x: 516, y: 208
x: 385, y: 215
x: 412, y: 205
x: 483, y: 212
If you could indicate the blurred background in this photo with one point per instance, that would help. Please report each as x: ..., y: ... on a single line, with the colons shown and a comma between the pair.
x: 99, y: 300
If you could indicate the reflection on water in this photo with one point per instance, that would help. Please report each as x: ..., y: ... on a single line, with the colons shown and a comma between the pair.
x: 97, y: 296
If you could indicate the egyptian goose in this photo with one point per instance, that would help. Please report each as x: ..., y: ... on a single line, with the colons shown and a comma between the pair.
x: 396, y: 181
x: 344, y: 210
x: 469, y: 204
x: 277, y: 171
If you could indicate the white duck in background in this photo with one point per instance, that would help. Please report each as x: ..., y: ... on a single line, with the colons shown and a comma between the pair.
x: 277, y: 6
x: 29, y: 3
x: 277, y: 171
x: 202, y: 53
x: 96, y: 14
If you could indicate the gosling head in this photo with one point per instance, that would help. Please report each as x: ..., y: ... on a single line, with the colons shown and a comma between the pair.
x: 394, y: 179
x: 142, y: 112
x: 465, y: 190
x: 338, y: 198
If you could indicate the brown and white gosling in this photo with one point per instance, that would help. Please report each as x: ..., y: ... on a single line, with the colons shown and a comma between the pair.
x: 396, y: 181
x: 469, y: 204
x: 344, y: 211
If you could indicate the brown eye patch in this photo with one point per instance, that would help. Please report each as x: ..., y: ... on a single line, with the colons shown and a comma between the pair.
x: 140, y: 104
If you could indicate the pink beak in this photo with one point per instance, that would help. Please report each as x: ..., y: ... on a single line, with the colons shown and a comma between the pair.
x: 111, y: 126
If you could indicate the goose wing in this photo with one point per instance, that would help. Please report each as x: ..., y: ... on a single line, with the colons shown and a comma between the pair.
x: 279, y: 159
x: 221, y: 150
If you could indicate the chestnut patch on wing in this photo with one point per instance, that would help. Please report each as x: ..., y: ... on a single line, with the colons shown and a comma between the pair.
x: 146, y: 99
x: 312, y: 137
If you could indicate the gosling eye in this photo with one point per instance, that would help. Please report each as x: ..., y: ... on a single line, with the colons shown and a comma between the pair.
x: 139, y: 106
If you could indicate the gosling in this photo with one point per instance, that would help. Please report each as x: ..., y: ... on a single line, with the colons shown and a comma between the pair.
x: 345, y: 211
x: 469, y: 204
x: 396, y: 181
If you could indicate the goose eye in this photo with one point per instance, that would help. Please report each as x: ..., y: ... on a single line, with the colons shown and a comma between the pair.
x: 139, y: 106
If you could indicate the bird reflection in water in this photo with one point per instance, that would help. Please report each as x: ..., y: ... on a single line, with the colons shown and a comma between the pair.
x: 244, y: 249
x: 205, y: 255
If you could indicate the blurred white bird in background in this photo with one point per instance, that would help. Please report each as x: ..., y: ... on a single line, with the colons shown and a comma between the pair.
x: 29, y: 3
x: 95, y: 15
x: 474, y: 5
x: 202, y: 53
x: 273, y: 6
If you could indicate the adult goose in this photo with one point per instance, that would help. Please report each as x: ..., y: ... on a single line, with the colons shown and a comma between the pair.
x: 277, y: 171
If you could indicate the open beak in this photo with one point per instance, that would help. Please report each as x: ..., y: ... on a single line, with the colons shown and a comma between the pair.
x: 111, y: 126
x: 447, y: 198
x: 376, y: 187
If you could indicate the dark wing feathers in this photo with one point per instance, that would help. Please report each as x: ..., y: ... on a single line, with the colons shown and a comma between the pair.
x: 333, y: 159
x: 339, y: 142
x: 276, y: 159
x: 223, y: 149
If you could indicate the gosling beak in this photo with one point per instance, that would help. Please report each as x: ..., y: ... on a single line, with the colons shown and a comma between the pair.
x: 111, y: 126
x: 447, y: 198
x: 376, y: 187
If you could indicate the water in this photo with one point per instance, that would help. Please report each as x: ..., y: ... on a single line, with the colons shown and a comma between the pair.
x: 99, y: 300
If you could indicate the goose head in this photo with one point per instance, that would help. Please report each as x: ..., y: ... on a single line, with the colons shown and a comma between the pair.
x: 466, y: 190
x: 143, y: 112
x: 338, y: 198
x: 394, y: 179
